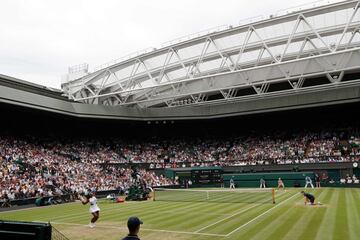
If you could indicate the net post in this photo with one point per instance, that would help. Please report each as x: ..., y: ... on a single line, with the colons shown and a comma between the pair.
x: 154, y: 194
x: 273, y: 195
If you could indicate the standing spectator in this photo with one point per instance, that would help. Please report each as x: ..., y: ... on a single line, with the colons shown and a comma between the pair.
x: 262, y: 183
x: 189, y: 183
x: 317, y: 180
x: 308, y: 181
x: 232, y: 183
x: 324, y: 178
x: 281, y: 184
x: 222, y: 181
x: 133, y: 225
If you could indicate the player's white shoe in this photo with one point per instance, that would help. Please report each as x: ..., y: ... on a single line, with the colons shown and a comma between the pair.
x: 92, y: 225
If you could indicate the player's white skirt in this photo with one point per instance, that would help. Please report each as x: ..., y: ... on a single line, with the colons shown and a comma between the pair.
x: 94, y: 209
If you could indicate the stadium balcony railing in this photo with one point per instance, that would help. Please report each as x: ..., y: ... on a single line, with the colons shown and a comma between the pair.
x: 226, y: 163
x: 66, y: 197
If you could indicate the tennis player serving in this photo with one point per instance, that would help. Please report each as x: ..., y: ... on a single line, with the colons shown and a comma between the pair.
x: 94, y: 209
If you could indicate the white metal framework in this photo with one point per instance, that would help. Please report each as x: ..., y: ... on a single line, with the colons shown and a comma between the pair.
x: 235, y: 63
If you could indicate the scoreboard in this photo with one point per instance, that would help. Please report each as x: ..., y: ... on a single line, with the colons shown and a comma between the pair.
x: 207, y: 175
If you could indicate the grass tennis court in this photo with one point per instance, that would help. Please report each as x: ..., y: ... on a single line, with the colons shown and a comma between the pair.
x: 289, y: 218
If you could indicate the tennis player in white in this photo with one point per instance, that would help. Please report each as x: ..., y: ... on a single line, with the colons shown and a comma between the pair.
x: 308, y: 181
x: 94, y: 209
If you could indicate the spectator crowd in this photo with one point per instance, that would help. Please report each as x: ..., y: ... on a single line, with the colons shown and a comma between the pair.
x: 31, y: 169
x: 39, y: 166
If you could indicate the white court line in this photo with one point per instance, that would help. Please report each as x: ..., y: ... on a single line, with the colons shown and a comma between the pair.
x: 230, y: 216
x: 39, y: 221
x: 194, y: 212
x: 116, y: 206
x: 247, y: 223
x: 36, y: 207
x: 104, y: 213
x: 83, y: 214
x: 111, y: 210
x: 62, y: 204
x: 143, y: 229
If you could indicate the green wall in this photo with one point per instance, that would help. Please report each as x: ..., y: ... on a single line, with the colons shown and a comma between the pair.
x: 253, y: 179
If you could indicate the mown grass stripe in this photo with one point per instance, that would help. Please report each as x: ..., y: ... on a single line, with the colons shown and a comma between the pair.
x: 353, y: 209
x: 174, y: 222
x: 315, y: 217
x: 278, y: 220
x: 286, y: 224
x: 230, y: 223
x: 155, y: 216
x: 301, y: 218
x: 341, y: 231
x: 143, y: 229
x: 200, y: 220
x: 179, y: 220
x: 262, y: 214
x: 39, y: 212
x: 267, y: 225
x: 158, y: 216
x: 224, y: 219
x: 327, y: 223
x: 356, y: 195
x: 118, y: 211
x: 146, y: 214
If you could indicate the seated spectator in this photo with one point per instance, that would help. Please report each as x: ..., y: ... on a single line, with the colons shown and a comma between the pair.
x: 37, y: 166
x: 6, y: 202
x: 354, y: 178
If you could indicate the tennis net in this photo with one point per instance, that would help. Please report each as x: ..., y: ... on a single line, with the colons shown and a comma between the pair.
x: 249, y: 195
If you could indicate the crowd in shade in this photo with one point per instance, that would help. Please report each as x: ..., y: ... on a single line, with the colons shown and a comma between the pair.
x: 36, y: 166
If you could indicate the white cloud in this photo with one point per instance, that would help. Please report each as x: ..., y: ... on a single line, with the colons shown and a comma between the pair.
x: 39, y: 39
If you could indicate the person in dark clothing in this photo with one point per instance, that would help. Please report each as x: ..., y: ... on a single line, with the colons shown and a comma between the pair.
x: 317, y: 180
x: 308, y: 198
x: 134, y: 227
x: 6, y: 202
x: 262, y: 183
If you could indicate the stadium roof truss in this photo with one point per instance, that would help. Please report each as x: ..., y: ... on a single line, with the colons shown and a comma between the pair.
x: 233, y: 64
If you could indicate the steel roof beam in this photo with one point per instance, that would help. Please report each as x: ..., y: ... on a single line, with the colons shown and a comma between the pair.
x: 265, y: 23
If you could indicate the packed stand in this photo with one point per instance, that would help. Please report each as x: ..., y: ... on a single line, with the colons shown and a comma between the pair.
x: 32, y: 167
x: 35, y: 170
